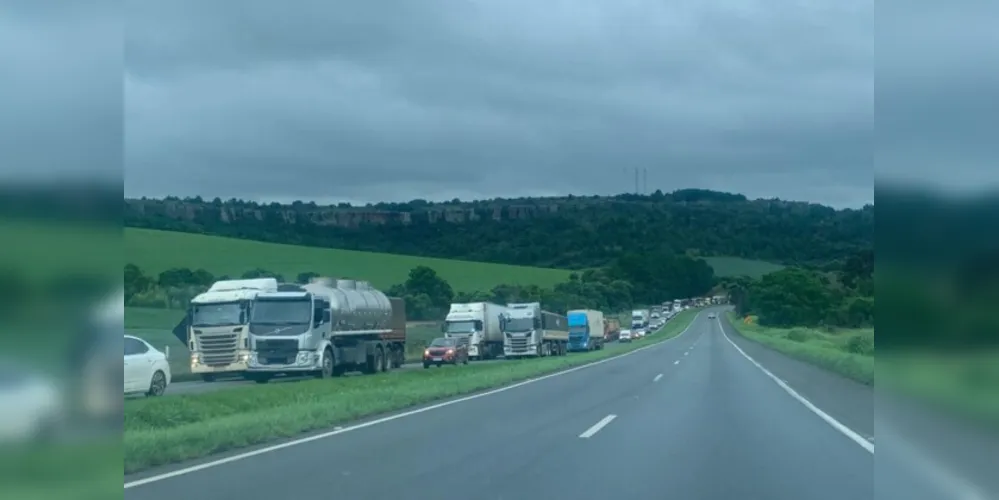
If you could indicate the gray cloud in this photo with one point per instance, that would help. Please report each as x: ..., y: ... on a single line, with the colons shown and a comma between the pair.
x: 60, y: 90
x: 437, y: 99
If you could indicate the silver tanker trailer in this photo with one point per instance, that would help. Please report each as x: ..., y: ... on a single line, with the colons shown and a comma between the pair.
x: 325, y: 328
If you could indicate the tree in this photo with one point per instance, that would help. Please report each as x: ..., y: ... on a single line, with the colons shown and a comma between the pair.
x: 424, y: 280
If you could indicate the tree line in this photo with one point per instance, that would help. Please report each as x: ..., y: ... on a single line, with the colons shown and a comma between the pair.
x: 568, y: 232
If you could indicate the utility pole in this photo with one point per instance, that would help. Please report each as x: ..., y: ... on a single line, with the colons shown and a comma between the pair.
x: 636, y: 182
x: 645, y: 181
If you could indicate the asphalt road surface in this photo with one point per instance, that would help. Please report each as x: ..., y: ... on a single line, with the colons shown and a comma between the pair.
x: 689, y: 419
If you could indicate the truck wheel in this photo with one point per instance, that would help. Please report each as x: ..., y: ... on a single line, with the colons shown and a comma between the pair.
x: 327, y: 365
x: 208, y: 377
x: 261, y: 378
x: 426, y: 366
x: 383, y: 361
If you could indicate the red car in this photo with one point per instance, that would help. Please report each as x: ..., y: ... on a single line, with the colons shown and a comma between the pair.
x: 445, y: 351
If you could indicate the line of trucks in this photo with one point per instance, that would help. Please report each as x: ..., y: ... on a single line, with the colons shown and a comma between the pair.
x: 260, y: 328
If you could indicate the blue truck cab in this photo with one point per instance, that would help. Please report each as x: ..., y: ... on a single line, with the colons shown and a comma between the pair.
x: 583, y: 334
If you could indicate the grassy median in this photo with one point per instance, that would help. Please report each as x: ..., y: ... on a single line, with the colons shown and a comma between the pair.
x: 166, y: 430
x: 847, y: 352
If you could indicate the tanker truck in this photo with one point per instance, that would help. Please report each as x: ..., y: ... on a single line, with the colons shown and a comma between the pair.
x: 325, y: 329
x: 529, y: 331
x: 215, y: 327
x: 479, y: 322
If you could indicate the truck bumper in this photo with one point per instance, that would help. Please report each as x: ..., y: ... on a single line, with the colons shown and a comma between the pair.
x: 242, y: 361
x: 306, y: 361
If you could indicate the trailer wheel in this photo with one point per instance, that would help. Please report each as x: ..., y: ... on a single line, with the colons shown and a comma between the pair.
x: 383, y: 361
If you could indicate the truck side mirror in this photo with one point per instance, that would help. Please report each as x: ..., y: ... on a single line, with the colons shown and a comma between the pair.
x: 327, y: 316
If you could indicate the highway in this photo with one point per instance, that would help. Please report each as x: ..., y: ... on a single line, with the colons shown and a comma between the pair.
x: 692, y: 418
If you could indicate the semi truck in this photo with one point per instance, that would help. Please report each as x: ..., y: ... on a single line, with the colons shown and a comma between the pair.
x: 325, y: 329
x: 586, y: 330
x: 639, y: 319
x: 479, y: 323
x: 612, y: 330
x: 529, y: 331
x: 215, y: 328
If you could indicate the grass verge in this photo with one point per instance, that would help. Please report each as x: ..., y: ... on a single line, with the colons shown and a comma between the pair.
x: 84, y: 471
x: 848, y: 352
x: 166, y: 430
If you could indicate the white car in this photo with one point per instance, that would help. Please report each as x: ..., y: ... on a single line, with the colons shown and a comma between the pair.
x: 146, y: 368
x: 625, y: 336
x: 712, y: 316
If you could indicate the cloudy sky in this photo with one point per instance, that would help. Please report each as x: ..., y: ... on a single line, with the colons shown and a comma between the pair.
x: 393, y: 100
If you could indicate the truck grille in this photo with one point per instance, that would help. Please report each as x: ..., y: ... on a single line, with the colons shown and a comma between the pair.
x: 277, y: 351
x: 217, y: 349
x: 519, y: 344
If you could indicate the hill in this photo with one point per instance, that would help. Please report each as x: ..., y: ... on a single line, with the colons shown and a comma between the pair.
x: 157, y: 251
x: 568, y: 232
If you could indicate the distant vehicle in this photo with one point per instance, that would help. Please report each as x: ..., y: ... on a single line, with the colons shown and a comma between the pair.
x: 146, y: 369
x: 446, y: 351
x: 712, y: 316
x: 32, y: 404
x: 638, y: 333
x: 612, y: 329
x: 624, y: 336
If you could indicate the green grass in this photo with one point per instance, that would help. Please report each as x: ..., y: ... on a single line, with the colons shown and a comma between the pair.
x: 44, y: 250
x: 156, y: 251
x: 847, y: 352
x: 83, y: 471
x: 967, y: 383
x: 166, y: 430
x: 155, y: 326
x: 737, y: 266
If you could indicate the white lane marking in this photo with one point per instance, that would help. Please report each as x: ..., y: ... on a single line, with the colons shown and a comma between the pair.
x: 966, y: 490
x: 676, y: 362
x: 686, y: 353
x: 597, y: 426
x: 324, y: 435
x: 658, y: 378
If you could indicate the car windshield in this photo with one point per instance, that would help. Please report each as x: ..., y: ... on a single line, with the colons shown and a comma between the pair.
x: 282, y: 312
x: 442, y: 343
x: 221, y: 314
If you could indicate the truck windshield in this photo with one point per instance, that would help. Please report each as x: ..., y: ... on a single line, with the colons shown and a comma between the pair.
x: 577, y: 330
x: 282, y: 312
x: 222, y: 314
x: 460, y: 327
x: 520, y: 325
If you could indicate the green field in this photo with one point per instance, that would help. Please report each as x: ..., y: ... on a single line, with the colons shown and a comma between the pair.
x: 165, y: 430
x: 155, y: 326
x: 736, y: 266
x: 156, y: 251
x: 847, y: 352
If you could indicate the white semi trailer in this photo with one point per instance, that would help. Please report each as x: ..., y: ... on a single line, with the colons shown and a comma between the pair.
x: 479, y: 322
